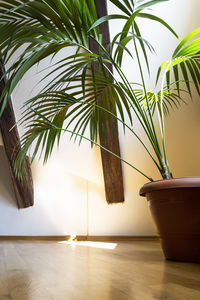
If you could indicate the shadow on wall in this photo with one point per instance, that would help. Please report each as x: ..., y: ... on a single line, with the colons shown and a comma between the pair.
x: 6, y: 188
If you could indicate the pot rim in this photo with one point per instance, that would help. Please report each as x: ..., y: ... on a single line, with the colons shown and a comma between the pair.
x: 181, y: 182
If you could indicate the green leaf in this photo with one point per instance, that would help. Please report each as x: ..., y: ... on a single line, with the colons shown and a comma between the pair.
x: 123, y: 8
x: 149, y: 4
x: 157, y: 19
x: 184, y: 41
x: 107, y: 18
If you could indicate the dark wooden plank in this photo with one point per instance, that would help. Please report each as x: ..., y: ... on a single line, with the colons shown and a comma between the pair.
x: 112, y: 168
x: 23, y: 190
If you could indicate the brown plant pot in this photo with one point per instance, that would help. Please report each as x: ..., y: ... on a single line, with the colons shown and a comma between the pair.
x: 175, y: 208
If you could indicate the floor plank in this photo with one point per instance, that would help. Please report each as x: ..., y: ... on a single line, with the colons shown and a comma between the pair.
x: 137, y: 270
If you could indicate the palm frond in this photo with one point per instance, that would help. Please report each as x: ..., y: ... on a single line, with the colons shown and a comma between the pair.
x: 186, y: 57
x: 131, y: 12
x: 45, y: 28
x: 170, y: 98
x: 80, y: 106
x: 38, y: 132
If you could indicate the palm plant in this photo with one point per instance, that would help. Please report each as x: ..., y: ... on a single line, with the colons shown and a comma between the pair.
x: 83, y: 91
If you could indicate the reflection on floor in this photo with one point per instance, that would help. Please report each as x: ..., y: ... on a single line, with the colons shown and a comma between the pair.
x: 100, y: 245
x: 45, y: 270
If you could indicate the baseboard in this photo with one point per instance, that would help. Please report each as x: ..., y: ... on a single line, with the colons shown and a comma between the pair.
x: 100, y: 238
x: 121, y: 238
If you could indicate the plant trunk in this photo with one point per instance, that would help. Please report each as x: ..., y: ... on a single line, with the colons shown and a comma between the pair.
x: 166, y: 174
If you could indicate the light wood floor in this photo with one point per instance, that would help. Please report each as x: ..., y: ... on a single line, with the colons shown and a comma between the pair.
x: 45, y: 270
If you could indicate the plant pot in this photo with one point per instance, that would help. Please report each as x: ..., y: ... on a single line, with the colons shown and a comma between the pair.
x: 175, y: 208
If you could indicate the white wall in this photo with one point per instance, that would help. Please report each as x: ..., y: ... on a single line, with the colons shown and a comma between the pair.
x: 69, y: 193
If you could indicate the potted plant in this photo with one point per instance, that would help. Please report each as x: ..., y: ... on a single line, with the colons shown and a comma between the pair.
x: 84, y: 92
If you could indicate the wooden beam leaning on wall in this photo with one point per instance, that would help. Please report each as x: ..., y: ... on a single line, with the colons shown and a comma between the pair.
x: 112, y: 168
x: 23, y: 190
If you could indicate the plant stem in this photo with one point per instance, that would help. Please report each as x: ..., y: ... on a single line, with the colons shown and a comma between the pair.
x: 150, y: 132
x: 124, y: 124
x: 162, y: 127
x: 138, y: 110
x: 159, y: 153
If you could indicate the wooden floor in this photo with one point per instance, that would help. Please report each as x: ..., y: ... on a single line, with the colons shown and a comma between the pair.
x: 45, y: 270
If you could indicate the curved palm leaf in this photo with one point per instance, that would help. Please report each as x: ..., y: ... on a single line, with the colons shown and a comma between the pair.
x: 186, y: 57
x: 171, y: 99
x: 80, y: 106
x: 133, y: 10
x: 40, y: 128
x: 44, y: 28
